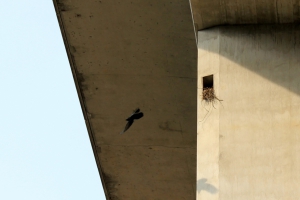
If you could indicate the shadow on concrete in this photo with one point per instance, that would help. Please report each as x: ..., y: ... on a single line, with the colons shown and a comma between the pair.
x: 203, y: 185
x: 271, y: 51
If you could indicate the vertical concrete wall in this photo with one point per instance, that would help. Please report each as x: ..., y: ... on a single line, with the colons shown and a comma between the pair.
x: 248, y: 146
x: 208, y: 119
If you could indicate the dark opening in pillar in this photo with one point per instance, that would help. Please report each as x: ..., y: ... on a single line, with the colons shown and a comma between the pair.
x: 208, y: 93
x: 208, y: 81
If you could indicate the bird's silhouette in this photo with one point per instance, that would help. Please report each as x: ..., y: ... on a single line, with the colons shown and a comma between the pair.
x: 135, y: 115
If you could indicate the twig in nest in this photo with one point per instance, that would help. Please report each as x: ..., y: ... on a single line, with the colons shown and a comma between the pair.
x: 208, y: 95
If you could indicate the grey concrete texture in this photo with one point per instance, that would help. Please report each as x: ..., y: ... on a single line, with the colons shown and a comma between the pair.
x: 231, y: 12
x: 129, y: 54
x: 255, y: 141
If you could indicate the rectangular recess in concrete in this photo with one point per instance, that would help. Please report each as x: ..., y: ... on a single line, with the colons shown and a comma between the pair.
x: 208, y: 81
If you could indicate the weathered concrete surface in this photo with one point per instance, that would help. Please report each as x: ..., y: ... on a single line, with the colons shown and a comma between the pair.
x: 129, y: 54
x: 208, y: 13
x: 256, y: 129
x: 208, y: 119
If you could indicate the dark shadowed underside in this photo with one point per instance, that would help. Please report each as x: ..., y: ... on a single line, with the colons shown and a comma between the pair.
x: 130, y: 54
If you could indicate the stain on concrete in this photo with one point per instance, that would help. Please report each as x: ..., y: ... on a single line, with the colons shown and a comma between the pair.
x: 98, y: 149
x: 72, y: 49
x: 80, y: 78
x: 111, y: 186
x: 62, y: 6
x: 170, y: 126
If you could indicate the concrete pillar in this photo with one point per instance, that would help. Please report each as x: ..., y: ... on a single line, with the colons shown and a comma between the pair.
x: 248, y: 146
x: 208, y: 119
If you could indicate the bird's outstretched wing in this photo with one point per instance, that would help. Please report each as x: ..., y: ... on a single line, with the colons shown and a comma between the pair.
x: 129, y: 123
x: 136, y: 111
x: 137, y: 115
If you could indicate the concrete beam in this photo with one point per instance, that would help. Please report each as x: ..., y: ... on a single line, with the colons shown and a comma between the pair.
x: 128, y: 54
x: 209, y: 13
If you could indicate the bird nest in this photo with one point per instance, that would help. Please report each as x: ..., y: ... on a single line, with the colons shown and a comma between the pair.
x: 208, y: 95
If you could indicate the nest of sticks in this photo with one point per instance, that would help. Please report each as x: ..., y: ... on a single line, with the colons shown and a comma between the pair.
x: 208, y: 95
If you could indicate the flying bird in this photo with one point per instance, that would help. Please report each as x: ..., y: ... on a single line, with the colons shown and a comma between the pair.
x: 135, y: 115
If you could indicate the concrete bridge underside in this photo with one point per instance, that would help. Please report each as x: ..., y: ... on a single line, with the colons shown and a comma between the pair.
x: 133, y: 53
x: 208, y: 13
